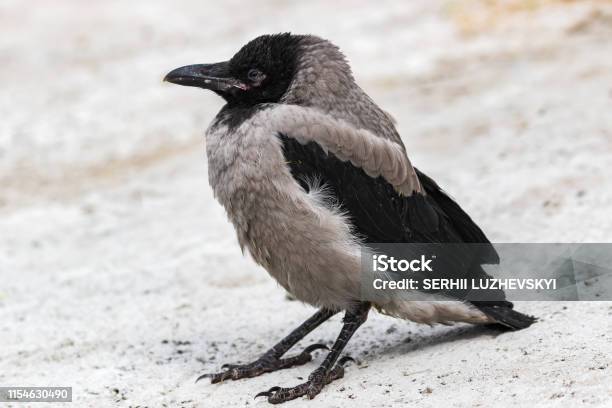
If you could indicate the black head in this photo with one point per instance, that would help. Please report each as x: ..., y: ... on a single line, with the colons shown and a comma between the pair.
x: 260, y: 72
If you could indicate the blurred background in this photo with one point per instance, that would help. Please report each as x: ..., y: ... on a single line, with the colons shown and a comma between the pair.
x: 119, y: 274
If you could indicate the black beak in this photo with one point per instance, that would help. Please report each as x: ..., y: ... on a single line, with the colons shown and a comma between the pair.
x: 215, y: 77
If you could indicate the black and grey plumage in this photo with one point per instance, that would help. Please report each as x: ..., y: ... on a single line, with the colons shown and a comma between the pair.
x: 310, y: 170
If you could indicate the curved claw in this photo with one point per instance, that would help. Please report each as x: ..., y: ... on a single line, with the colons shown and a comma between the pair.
x: 345, y: 360
x: 268, y: 393
x: 316, y: 346
x: 204, y: 376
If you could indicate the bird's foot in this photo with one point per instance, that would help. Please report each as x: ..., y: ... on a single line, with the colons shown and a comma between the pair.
x: 266, y: 364
x: 311, y: 388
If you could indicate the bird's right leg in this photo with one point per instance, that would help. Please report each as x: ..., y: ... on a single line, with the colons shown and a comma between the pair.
x: 271, y: 360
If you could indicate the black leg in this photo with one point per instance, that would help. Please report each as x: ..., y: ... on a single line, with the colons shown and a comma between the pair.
x: 329, y: 370
x: 271, y: 360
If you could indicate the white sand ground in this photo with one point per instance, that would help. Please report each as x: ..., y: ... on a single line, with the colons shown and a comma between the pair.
x: 120, y: 277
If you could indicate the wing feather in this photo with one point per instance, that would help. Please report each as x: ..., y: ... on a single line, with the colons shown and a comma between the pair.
x: 376, y: 156
x: 380, y: 214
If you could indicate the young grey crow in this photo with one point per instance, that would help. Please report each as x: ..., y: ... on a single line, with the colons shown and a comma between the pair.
x: 310, y: 169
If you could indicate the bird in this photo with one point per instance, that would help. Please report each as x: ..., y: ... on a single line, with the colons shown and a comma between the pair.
x: 310, y: 171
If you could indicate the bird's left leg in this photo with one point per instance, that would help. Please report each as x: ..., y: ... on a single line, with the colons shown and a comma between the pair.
x: 329, y: 370
x: 271, y: 360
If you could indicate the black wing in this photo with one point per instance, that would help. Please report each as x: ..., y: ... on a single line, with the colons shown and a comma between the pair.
x: 379, y: 214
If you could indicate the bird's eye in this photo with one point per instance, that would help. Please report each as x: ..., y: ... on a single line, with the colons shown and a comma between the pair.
x: 255, y: 75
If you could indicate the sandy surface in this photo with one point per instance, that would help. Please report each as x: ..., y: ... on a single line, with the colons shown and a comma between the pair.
x: 120, y: 277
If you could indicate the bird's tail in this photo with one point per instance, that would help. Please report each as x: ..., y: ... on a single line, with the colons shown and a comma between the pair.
x: 503, y: 314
